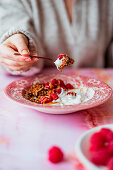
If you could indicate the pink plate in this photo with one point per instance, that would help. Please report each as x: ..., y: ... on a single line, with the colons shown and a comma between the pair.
x: 102, y: 92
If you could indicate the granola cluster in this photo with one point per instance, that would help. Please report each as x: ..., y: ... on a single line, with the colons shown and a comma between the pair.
x: 44, y: 93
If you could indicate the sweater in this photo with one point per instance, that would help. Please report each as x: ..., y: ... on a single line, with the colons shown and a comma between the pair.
x: 47, y: 26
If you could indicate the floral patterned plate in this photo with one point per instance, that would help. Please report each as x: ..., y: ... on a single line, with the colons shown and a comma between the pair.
x: 102, y: 92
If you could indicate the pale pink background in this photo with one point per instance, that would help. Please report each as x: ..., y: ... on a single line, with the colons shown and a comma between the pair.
x: 26, y: 134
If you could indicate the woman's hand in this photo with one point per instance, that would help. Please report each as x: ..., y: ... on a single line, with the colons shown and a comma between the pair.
x: 17, y: 42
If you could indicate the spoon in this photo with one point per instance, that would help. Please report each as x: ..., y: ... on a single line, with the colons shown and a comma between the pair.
x: 46, y: 58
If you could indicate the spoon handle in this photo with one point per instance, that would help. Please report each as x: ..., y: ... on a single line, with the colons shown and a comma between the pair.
x: 45, y: 58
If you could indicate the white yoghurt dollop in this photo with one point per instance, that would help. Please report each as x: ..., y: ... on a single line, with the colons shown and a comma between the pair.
x: 58, y: 62
x: 83, y: 94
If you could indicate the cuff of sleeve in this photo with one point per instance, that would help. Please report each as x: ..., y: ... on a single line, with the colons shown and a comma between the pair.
x: 13, y: 31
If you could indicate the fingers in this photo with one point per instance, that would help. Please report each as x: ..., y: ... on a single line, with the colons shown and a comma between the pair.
x: 14, y: 68
x: 20, y: 41
x: 17, y: 42
x: 6, y: 52
x: 13, y: 63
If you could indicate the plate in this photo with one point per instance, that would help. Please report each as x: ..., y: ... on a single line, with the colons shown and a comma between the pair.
x: 102, y: 92
x: 81, y: 148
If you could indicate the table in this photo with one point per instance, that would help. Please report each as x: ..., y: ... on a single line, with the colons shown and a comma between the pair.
x: 26, y: 134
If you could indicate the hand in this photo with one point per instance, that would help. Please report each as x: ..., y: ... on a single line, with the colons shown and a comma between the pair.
x: 17, y: 42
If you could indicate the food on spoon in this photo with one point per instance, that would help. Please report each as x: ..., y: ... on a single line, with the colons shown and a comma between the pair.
x: 57, y: 92
x: 62, y: 61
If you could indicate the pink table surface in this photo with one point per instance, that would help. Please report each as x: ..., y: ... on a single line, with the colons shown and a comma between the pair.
x: 26, y: 134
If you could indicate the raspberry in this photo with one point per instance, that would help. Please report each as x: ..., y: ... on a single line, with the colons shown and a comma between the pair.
x: 47, y: 86
x: 104, y: 131
x: 107, y: 133
x: 54, y: 82
x: 69, y: 86
x: 60, y: 56
x: 58, y: 91
x: 110, y: 164
x: 110, y: 148
x: 97, y: 141
x: 45, y: 99
x: 54, y: 96
x: 62, y: 84
x: 72, y: 93
x: 100, y: 157
x: 55, y: 154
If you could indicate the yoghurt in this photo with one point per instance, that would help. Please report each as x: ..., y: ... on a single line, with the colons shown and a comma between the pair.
x: 83, y: 94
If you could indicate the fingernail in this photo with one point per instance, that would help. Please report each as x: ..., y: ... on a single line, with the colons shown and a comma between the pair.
x: 27, y: 59
x: 25, y: 52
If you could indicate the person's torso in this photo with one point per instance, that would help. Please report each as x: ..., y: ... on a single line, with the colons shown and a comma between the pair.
x: 86, y: 38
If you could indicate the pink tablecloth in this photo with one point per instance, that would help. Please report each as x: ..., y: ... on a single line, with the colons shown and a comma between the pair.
x: 26, y: 134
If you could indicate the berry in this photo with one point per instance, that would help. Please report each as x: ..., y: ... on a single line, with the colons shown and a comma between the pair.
x: 110, y: 164
x: 107, y: 133
x: 54, y: 96
x: 47, y: 85
x: 100, y: 157
x: 45, y: 99
x: 69, y: 86
x: 72, y: 93
x: 58, y: 91
x: 104, y: 131
x: 54, y: 82
x: 62, y: 84
x: 97, y: 141
x: 55, y: 154
x: 110, y: 148
x: 60, y: 56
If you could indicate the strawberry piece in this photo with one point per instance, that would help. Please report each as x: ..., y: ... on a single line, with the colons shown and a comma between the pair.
x: 55, y: 154
x: 71, y: 93
x: 97, y: 141
x: 69, y: 86
x: 58, y: 91
x: 54, y: 96
x: 100, y: 157
x: 60, y: 56
x: 107, y: 133
x: 45, y: 99
x: 110, y: 164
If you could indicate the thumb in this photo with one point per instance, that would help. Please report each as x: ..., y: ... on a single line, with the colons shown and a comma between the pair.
x: 20, y: 41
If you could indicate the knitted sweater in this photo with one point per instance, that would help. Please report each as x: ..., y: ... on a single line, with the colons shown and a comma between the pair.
x: 46, y: 24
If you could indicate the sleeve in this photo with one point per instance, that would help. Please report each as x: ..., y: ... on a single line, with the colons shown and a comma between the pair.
x: 16, y: 17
